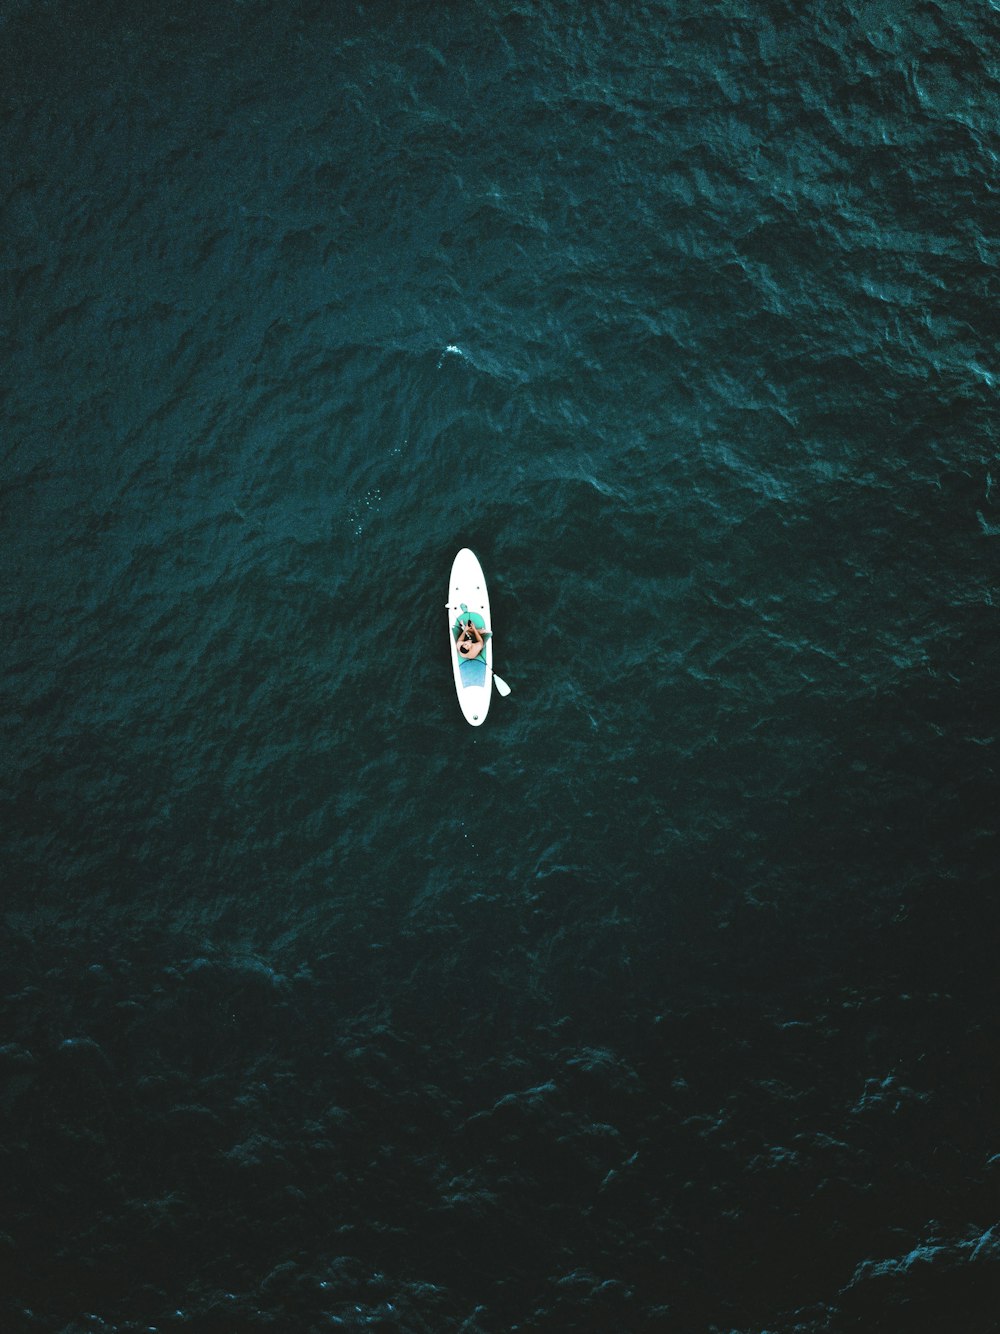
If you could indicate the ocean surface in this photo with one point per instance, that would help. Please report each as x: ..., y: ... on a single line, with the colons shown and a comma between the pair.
x: 667, y: 1000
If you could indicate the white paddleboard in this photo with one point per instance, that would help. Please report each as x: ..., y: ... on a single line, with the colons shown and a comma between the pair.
x: 473, y: 680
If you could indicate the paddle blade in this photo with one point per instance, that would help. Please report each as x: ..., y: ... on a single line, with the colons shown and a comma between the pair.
x: 501, y: 684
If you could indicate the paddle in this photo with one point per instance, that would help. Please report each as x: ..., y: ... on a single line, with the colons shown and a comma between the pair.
x: 502, y: 687
x: 499, y: 682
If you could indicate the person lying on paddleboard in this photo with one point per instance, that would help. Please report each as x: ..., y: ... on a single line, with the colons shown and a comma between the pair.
x: 470, y: 641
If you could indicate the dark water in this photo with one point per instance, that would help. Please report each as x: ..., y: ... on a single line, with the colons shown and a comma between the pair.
x: 667, y: 1000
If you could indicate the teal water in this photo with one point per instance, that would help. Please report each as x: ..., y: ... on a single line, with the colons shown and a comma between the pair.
x: 666, y: 1000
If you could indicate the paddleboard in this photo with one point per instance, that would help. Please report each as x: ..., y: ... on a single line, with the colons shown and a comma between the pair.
x: 467, y: 597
